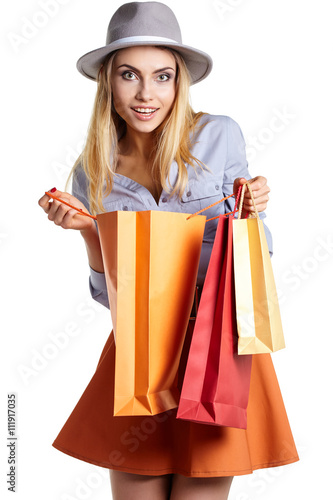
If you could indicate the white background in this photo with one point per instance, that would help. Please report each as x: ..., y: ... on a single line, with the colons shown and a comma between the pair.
x: 270, y: 58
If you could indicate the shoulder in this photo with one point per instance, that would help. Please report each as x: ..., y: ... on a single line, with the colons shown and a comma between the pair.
x: 217, y: 121
x: 79, y: 175
x: 214, y: 127
x: 218, y: 143
x: 80, y: 185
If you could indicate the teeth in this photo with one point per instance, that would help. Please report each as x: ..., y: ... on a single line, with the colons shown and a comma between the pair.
x: 145, y: 110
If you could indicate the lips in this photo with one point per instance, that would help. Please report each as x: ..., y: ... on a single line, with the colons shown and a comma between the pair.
x: 144, y: 113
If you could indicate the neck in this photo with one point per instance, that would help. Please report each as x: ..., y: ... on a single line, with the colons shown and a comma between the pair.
x: 137, y: 144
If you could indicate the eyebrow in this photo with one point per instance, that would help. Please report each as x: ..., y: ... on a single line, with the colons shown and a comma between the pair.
x: 138, y: 71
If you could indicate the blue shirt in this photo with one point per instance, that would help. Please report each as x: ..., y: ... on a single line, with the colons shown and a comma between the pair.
x: 220, y: 146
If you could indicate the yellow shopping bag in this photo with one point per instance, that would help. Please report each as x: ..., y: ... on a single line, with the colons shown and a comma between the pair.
x: 257, y: 308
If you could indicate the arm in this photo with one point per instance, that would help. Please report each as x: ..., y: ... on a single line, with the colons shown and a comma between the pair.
x: 236, y: 173
x: 97, y: 282
x: 90, y: 233
x: 68, y: 218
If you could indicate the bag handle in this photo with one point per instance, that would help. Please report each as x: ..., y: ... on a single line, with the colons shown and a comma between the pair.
x: 216, y: 203
x: 81, y: 212
x: 244, y: 187
x: 51, y: 195
x: 240, y: 193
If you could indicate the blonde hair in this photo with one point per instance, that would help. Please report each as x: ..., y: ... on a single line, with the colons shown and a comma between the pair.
x: 172, y: 139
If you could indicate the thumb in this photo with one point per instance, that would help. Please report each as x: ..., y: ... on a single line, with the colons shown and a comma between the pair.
x: 238, y: 182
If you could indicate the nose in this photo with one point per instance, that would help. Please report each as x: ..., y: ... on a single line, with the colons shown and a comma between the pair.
x: 144, y: 91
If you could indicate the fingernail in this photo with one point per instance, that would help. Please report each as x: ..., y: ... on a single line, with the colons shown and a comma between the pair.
x: 53, y: 190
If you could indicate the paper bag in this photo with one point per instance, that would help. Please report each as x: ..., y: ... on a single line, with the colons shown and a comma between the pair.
x: 151, y: 261
x: 217, y: 380
x: 257, y: 308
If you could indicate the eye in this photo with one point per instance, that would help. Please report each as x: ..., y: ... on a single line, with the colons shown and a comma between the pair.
x: 164, y: 77
x: 129, y: 75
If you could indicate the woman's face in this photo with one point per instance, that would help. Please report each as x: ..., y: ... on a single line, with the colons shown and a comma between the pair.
x: 143, y: 83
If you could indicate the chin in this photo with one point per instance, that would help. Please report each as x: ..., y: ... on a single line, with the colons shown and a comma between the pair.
x: 146, y: 127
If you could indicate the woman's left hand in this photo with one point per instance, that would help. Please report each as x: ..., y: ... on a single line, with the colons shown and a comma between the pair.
x: 260, y: 192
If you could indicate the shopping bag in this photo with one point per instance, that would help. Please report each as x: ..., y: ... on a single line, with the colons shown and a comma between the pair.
x: 257, y: 308
x: 216, y: 383
x: 151, y: 261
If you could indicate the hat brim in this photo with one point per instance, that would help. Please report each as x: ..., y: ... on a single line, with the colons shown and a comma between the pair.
x: 199, y: 64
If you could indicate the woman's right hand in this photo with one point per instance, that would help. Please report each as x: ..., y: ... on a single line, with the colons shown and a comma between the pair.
x: 65, y: 216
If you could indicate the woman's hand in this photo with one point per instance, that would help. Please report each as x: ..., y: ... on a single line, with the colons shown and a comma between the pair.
x: 260, y: 193
x: 69, y: 218
x: 64, y: 216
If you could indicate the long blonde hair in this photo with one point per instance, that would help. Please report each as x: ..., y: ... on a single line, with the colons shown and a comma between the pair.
x: 172, y: 139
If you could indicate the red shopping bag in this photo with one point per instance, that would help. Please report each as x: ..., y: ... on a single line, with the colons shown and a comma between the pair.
x: 217, y: 380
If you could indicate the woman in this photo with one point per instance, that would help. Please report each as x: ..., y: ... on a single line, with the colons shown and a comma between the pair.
x: 147, y: 150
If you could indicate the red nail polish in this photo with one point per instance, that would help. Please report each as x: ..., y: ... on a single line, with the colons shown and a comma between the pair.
x: 53, y: 190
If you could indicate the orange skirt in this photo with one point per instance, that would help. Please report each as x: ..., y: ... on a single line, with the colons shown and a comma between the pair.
x: 162, y: 444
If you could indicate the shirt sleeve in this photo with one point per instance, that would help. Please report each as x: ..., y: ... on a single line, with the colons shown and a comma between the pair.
x: 97, y: 287
x: 237, y: 166
x: 97, y: 282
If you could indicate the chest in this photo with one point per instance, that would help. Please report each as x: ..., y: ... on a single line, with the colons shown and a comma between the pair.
x: 139, y: 172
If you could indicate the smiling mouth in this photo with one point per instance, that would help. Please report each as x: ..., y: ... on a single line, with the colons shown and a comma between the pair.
x: 145, y: 111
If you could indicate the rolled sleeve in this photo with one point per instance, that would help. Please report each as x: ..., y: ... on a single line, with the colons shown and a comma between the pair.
x: 97, y: 286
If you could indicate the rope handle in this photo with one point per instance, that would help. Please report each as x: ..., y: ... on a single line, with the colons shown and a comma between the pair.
x: 244, y: 187
x: 240, y: 193
x: 228, y: 213
x: 81, y: 212
x: 216, y: 203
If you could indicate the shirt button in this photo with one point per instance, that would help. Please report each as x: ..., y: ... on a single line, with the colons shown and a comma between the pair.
x: 164, y: 200
x: 217, y: 187
x: 125, y: 207
x: 188, y: 193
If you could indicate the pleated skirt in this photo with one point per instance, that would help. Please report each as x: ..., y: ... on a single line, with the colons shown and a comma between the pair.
x: 162, y: 444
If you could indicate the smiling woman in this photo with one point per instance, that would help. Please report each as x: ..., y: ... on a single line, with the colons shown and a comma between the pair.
x: 142, y: 145
x: 144, y: 92
x: 147, y: 149
x: 143, y: 96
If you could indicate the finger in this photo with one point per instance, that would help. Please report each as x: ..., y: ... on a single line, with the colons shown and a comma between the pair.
x: 53, y: 208
x: 58, y: 212
x: 260, y: 208
x: 239, y: 181
x: 259, y: 196
x: 259, y: 183
x: 75, y: 220
x: 68, y: 219
x: 260, y: 202
x: 55, y: 204
x: 44, y: 202
x: 257, y: 199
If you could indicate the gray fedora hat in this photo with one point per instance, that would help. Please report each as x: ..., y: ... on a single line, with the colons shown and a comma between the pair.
x: 145, y: 23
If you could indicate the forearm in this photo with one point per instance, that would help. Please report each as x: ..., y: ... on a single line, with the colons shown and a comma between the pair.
x: 93, y: 247
x: 97, y: 283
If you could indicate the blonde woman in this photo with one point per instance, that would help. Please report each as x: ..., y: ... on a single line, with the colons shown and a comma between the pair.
x: 147, y: 149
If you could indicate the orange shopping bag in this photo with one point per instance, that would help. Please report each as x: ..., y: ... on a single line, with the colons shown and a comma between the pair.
x: 151, y: 260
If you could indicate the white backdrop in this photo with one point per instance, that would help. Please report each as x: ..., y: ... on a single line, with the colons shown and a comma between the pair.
x: 272, y: 74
